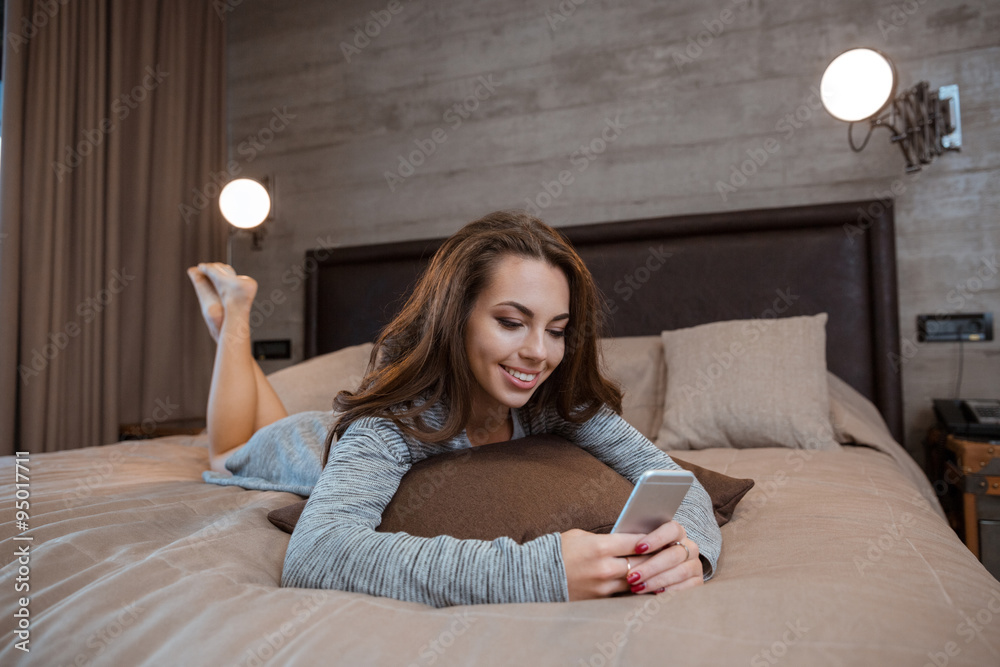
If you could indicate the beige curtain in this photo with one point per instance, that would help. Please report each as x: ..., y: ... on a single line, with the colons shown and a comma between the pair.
x: 113, y: 129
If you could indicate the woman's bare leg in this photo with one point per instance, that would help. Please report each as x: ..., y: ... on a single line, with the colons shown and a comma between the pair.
x: 269, y: 406
x: 241, y: 400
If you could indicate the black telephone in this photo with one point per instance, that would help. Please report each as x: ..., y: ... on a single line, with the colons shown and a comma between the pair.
x: 970, y: 417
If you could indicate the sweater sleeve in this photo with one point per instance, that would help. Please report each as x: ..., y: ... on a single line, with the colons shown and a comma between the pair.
x: 335, y: 545
x: 616, y: 443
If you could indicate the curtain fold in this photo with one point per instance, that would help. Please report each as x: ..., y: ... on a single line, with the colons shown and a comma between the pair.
x: 113, y: 118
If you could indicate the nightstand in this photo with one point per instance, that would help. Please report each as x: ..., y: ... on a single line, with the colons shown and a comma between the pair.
x: 150, y: 429
x: 965, y: 471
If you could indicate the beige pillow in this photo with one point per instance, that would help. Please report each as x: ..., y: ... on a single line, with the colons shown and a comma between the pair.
x: 854, y: 418
x: 636, y: 363
x: 747, y: 383
x: 313, y: 384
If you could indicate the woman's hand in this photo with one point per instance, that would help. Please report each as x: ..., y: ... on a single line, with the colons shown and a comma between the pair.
x: 670, y: 566
x: 596, y: 566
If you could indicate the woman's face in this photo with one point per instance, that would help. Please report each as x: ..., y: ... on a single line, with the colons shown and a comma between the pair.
x: 514, y: 338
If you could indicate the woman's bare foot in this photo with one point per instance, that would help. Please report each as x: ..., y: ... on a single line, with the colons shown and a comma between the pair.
x: 221, y: 291
x: 211, y: 306
x: 234, y: 291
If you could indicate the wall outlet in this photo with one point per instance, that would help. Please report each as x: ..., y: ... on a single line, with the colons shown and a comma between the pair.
x: 272, y: 349
x: 973, y: 327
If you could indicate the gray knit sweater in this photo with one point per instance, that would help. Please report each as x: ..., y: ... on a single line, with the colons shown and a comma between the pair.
x: 335, y: 544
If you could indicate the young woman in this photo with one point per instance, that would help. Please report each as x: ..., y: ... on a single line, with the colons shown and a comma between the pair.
x: 497, y: 341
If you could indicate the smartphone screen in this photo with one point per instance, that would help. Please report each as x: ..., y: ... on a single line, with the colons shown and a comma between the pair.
x: 653, y: 501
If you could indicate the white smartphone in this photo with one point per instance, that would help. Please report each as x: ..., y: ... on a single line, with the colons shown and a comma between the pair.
x: 653, y: 501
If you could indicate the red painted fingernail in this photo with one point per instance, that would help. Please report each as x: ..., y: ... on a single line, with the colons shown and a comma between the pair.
x: 638, y: 588
x: 660, y: 590
x: 642, y: 548
x: 634, y: 577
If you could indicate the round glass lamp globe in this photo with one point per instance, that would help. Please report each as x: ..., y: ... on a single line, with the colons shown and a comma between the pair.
x: 857, y: 84
x: 245, y: 203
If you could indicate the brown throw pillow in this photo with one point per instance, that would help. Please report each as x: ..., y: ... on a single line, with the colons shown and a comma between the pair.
x: 521, y: 489
x: 726, y: 492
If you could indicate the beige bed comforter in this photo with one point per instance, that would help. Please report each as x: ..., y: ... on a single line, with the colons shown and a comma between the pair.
x: 834, y: 558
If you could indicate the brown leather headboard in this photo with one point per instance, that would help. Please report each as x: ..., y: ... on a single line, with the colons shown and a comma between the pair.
x: 670, y: 273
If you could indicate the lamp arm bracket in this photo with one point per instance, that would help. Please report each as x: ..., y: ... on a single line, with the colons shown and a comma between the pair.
x: 850, y: 137
x: 881, y: 121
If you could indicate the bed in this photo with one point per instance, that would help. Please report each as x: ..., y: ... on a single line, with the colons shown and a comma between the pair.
x: 838, y: 555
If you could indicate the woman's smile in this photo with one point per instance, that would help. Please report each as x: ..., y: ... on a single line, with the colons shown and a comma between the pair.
x: 522, y: 379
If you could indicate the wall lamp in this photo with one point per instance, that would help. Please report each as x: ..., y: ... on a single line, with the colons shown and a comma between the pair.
x: 246, y: 205
x: 860, y: 85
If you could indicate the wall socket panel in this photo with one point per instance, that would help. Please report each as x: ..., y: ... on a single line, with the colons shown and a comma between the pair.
x: 272, y: 349
x: 971, y: 327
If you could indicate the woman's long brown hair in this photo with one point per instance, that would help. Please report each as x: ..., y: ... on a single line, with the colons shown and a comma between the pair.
x: 419, y: 358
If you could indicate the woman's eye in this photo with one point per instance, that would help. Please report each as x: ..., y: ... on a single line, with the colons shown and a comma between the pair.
x: 557, y: 333
x: 508, y: 324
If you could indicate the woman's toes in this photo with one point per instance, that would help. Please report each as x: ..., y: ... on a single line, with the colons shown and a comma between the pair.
x: 203, y: 287
x: 232, y: 289
x: 221, y: 267
x: 208, y: 299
